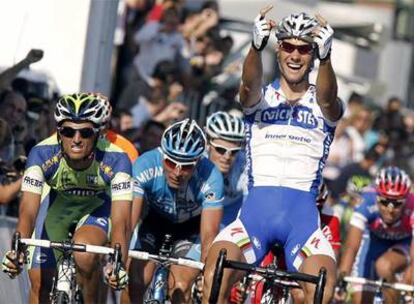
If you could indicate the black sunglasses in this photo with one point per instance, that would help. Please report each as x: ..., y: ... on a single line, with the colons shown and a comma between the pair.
x: 393, y: 203
x: 290, y: 48
x: 84, y: 132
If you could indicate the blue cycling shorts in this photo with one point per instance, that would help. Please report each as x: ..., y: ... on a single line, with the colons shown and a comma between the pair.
x: 281, y: 215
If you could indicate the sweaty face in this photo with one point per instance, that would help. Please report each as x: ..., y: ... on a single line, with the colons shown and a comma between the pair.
x: 390, y: 212
x: 176, y: 174
x: 223, y: 153
x: 78, y: 139
x: 295, y: 64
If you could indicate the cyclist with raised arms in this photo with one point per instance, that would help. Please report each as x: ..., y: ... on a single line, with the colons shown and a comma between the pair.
x: 226, y: 138
x: 290, y: 125
x: 73, y: 178
x: 177, y: 191
x: 380, y: 234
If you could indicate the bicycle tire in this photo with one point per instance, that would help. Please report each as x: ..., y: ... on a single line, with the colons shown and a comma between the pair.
x: 320, y: 287
x: 217, y: 277
x: 61, y: 297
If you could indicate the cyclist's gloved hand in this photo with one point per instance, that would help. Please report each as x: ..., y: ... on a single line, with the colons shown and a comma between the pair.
x: 323, y: 38
x: 261, y: 29
x: 340, y: 288
x: 12, y: 265
x: 116, y: 281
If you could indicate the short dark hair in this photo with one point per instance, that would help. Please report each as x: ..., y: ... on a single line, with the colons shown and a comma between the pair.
x: 152, y: 123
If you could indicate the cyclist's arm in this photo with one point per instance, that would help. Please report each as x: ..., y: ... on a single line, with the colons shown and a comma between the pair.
x: 251, y: 82
x: 136, y: 212
x: 120, y: 217
x: 210, y: 226
x: 327, y: 91
x: 353, y: 242
x: 29, y: 207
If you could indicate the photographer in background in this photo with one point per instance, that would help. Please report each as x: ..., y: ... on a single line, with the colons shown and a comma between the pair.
x: 10, y: 176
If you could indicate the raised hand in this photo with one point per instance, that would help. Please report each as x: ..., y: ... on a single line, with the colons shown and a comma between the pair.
x: 323, y: 38
x: 34, y: 55
x: 262, y: 29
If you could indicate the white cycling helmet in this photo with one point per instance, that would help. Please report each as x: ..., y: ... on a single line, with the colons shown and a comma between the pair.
x: 225, y: 126
x: 298, y: 26
x: 82, y: 107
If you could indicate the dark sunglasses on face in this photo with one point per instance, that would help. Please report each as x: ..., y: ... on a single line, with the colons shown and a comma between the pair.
x: 392, y: 203
x: 84, y: 132
x: 290, y: 48
x: 173, y: 165
x: 224, y: 150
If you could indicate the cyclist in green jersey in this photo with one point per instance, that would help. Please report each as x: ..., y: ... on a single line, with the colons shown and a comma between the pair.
x: 74, y: 178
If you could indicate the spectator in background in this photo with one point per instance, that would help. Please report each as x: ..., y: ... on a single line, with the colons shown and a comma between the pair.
x: 359, y: 170
x: 7, y: 76
x: 150, y: 136
x: 159, y: 41
x: 166, y: 74
x: 355, y: 101
x: 10, y: 180
x: 13, y: 110
x: 391, y: 121
x: 126, y: 120
x: 359, y: 123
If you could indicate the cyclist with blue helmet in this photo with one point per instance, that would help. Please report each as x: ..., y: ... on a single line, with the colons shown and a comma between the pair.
x: 226, y: 137
x: 176, y: 185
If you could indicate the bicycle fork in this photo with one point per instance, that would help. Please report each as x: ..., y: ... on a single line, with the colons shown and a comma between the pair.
x: 65, y: 280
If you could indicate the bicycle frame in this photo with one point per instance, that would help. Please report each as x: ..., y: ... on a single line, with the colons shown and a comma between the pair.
x: 269, y: 273
x: 158, y: 292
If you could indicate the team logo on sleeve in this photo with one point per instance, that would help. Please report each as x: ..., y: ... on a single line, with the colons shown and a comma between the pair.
x: 210, y: 196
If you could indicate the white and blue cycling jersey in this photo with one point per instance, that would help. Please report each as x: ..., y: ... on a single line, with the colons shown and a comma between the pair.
x: 203, y: 190
x: 287, y: 145
x: 235, y: 189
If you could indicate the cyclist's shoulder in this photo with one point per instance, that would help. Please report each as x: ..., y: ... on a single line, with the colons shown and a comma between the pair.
x: 108, y: 152
x: 206, y: 169
x: 150, y: 158
x: 46, y: 151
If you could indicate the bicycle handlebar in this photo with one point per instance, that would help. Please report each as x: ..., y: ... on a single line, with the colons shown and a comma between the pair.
x: 145, y: 256
x: 68, y: 246
x: 140, y: 255
x: 379, y: 283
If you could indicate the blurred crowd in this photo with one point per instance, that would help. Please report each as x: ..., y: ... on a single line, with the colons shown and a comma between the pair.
x: 167, y: 57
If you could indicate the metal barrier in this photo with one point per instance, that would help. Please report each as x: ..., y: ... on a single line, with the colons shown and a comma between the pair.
x: 11, y: 291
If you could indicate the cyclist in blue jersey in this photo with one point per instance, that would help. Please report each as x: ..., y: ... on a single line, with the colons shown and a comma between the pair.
x: 180, y: 192
x: 226, y: 137
x: 74, y: 178
x: 380, y: 234
x: 290, y: 125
